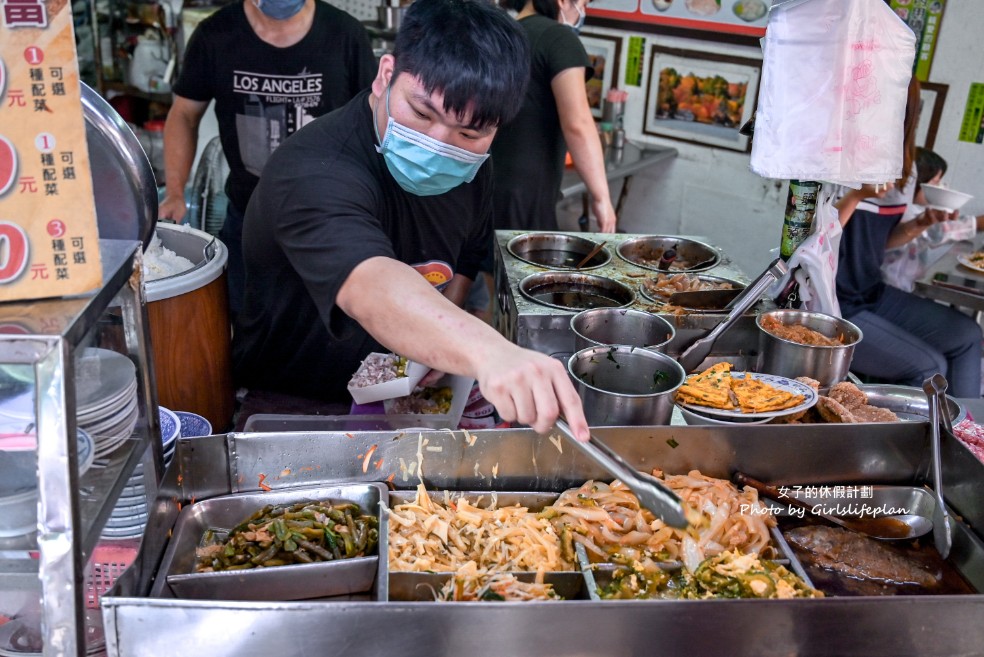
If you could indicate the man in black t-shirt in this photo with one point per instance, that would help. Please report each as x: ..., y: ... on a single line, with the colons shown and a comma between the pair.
x: 369, y: 224
x: 272, y: 66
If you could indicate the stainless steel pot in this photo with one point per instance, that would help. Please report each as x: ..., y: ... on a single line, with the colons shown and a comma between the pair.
x: 390, y: 18
x: 692, y: 255
x: 557, y: 251
x: 568, y: 290
x: 621, y: 385
x: 828, y: 365
x: 608, y: 326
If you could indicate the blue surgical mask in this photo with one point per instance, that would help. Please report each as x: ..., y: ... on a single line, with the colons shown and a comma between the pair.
x: 424, y: 166
x: 279, y: 10
x: 579, y: 23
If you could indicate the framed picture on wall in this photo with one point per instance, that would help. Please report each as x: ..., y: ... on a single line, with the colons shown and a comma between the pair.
x: 931, y: 99
x: 700, y: 97
x: 604, y: 52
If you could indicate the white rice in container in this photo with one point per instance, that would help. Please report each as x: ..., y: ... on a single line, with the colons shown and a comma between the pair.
x: 161, y: 262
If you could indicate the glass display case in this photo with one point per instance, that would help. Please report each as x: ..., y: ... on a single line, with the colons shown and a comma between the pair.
x: 78, y: 412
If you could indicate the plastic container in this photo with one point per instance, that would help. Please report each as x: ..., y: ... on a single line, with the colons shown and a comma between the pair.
x: 460, y: 389
x: 399, y: 387
x: 189, y: 327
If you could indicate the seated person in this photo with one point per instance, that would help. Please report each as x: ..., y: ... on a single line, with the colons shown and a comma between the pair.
x: 906, y: 338
x: 368, y: 226
x: 907, y: 263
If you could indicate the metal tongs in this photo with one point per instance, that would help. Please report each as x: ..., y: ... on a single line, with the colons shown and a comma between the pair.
x: 695, y: 354
x: 935, y: 389
x: 652, y: 494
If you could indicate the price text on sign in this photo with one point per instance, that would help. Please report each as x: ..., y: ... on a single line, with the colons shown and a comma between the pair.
x: 49, y: 239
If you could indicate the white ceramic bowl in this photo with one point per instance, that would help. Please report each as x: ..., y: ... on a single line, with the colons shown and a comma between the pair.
x: 944, y: 198
x: 700, y: 419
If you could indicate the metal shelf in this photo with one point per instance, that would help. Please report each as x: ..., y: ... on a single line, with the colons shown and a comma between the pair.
x: 73, y: 510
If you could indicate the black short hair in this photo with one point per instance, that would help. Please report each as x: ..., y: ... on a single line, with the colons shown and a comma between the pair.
x: 928, y: 164
x: 469, y: 50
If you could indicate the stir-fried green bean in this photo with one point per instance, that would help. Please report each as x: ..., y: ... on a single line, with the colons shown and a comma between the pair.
x: 306, y: 532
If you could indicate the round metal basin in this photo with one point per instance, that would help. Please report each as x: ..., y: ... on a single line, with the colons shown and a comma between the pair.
x: 655, y: 298
x: 557, y: 251
x: 646, y: 251
x: 574, y: 291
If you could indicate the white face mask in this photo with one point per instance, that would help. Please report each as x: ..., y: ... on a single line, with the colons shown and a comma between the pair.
x: 579, y: 23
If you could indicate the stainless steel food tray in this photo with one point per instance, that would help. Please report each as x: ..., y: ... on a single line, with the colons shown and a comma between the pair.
x: 599, y: 575
x: 413, y: 586
x: 291, y: 582
x: 908, y: 402
x: 519, y: 460
x: 916, y: 500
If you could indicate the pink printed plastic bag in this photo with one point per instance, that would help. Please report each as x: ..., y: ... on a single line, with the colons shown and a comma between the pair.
x: 832, y: 99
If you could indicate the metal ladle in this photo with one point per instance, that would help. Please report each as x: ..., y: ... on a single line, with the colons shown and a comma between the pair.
x: 886, y: 528
x: 935, y: 389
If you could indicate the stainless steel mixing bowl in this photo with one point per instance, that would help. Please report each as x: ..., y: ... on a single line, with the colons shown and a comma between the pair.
x: 621, y: 385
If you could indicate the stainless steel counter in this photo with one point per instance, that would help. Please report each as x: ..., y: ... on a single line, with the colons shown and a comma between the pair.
x: 547, y: 329
x: 137, y: 624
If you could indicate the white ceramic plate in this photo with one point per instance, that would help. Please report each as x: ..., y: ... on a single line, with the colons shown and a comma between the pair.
x: 780, y: 382
x: 101, y: 374
x: 109, y: 406
x: 968, y: 263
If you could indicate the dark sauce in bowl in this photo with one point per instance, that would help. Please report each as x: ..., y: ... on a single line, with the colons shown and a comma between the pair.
x: 583, y: 300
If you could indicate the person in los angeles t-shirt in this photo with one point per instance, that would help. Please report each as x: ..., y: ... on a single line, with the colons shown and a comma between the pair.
x: 272, y: 66
x: 369, y: 224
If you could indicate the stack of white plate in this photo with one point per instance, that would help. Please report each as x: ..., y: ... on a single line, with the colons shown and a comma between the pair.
x: 129, y: 516
x: 106, y: 398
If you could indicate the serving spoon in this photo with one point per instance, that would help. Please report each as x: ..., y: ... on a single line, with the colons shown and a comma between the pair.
x: 886, y: 528
x: 935, y: 389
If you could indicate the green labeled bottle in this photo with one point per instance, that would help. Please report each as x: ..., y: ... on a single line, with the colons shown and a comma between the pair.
x: 801, y: 207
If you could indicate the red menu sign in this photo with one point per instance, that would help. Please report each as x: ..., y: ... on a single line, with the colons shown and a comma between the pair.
x: 49, y: 238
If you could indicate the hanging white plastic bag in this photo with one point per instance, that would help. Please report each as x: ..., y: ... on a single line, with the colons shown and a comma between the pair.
x: 832, y: 99
x: 814, y: 263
